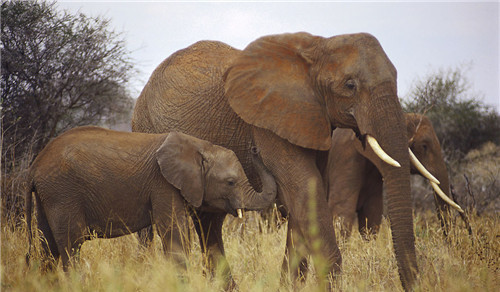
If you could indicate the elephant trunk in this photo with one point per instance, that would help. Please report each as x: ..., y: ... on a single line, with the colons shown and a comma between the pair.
x: 400, y: 214
x: 442, y: 206
x: 383, y: 119
x: 254, y: 200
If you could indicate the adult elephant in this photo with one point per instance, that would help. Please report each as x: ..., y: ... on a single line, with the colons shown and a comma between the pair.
x: 285, y: 93
x: 355, y: 182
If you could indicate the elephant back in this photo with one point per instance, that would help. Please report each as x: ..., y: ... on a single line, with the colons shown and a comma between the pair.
x: 185, y: 93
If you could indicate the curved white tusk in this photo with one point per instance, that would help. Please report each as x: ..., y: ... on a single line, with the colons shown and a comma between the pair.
x: 445, y: 197
x: 422, y: 168
x: 240, y: 213
x: 381, y: 153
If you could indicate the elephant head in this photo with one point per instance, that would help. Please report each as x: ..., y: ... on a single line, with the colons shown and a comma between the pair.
x: 355, y: 186
x: 212, y: 175
x: 301, y: 86
x: 426, y: 150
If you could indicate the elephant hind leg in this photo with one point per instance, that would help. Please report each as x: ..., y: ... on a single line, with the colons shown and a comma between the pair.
x: 48, y: 242
x: 70, y: 231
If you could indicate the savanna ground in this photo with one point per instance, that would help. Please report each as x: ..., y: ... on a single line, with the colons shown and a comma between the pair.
x: 461, y: 262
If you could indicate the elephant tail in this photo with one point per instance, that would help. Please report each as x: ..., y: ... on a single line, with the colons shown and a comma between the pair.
x: 28, y: 197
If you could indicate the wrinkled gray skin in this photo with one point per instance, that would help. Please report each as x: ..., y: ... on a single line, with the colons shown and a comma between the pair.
x: 284, y: 94
x: 355, y: 183
x: 93, y: 180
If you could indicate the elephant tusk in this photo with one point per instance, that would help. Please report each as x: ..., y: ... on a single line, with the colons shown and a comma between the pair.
x: 381, y: 153
x: 422, y: 168
x: 445, y: 198
x: 240, y: 213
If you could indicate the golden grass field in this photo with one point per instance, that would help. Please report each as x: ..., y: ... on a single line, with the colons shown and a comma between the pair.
x: 459, y: 263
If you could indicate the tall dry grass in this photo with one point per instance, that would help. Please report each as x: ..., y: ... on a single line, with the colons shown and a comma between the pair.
x: 255, y: 254
x: 459, y: 263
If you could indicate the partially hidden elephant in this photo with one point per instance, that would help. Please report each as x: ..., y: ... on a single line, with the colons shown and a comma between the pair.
x: 94, y: 181
x: 355, y: 183
x: 285, y: 94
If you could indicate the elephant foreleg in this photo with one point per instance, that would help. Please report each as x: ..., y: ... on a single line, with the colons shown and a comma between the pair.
x: 311, y: 232
x: 302, y: 192
x: 295, y: 261
x: 346, y: 177
x: 145, y: 236
x: 343, y: 199
x: 209, y: 229
x: 371, y: 204
x: 170, y: 217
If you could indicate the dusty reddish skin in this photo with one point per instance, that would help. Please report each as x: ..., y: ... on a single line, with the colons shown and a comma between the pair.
x: 91, y: 179
x: 284, y: 94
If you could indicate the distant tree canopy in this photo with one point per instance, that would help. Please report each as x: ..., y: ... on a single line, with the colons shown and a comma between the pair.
x: 461, y: 120
x: 58, y: 71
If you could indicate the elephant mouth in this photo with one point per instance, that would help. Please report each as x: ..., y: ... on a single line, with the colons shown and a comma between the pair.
x: 228, y: 208
x: 235, y: 211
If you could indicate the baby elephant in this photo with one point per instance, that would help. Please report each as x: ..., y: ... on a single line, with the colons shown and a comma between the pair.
x: 92, y: 180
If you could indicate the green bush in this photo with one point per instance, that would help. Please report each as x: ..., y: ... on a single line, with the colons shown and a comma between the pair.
x: 469, y: 133
x: 461, y: 120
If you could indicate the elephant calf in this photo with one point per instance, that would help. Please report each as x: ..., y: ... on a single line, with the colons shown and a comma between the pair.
x: 92, y: 180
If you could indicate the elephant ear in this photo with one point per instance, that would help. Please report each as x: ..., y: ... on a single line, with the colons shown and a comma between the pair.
x: 268, y: 86
x: 181, y: 163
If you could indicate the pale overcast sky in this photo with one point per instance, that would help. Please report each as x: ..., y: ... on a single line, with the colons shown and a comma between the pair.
x: 419, y: 37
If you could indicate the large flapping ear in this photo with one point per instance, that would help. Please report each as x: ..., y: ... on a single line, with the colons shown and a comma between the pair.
x: 180, y: 163
x: 268, y: 86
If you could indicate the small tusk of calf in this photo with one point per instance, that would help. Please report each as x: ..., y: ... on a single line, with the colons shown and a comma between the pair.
x: 240, y: 213
x: 445, y: 198
x: 381, y: 153
x: 422, y: 168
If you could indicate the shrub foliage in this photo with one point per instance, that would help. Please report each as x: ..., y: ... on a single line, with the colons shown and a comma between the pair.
x: 469, y: 133
x: 461, y: 120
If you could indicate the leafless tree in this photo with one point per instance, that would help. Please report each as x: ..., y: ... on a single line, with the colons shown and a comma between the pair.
x: 58, y: 71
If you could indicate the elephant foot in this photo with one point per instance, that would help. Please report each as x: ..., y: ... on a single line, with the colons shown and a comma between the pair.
x: 295, y: 275
x: 146, y: 237
x: 231, y: 285
x: 220, y: 272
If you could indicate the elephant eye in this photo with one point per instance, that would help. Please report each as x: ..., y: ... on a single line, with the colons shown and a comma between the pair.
x: 231, y: 182
x: 350, y: 84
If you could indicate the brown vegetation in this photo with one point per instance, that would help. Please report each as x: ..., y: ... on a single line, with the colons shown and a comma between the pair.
x: 461, y: 263
x: 475, y: 181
